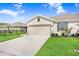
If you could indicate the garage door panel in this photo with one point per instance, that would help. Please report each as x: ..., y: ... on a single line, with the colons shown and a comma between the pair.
x: 39, y: 30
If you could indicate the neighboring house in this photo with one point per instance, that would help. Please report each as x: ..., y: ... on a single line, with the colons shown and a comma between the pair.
x: 19, y: 26
x: 41, y: 25
x: 4, y: 27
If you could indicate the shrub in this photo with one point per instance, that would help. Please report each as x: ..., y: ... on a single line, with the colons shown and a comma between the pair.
x: 77, y: 34
x: 52, y: 34
x: 56, y: 34
x: 72, y: 35
x: 63, y: 34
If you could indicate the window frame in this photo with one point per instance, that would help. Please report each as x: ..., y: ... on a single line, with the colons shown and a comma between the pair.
x: 62, y: 25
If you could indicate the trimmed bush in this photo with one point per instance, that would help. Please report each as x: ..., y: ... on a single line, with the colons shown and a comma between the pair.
x: 77, y: 34
x: 63, y: 34
x: 54, y: 34
x: 72, y: 35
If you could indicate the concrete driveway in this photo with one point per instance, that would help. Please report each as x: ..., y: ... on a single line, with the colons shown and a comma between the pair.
x: 22, y: 46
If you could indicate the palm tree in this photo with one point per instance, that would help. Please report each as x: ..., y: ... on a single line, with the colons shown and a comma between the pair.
x: 67, y: 31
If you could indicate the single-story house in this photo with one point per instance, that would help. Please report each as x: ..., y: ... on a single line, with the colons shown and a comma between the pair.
x: 19, y: 26
x: 44, y: 26
x: 4, y: 27
x: 40, y: 25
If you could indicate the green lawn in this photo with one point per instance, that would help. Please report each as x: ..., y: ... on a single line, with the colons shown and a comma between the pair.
x: 60, y: 46
x: 9, y: 36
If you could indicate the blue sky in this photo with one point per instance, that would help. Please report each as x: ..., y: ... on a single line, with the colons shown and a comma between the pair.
x: 22, y: 12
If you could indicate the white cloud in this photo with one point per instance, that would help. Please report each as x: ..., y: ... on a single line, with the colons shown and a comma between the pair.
x: 9, y: 12
x: 14, y: 13
x: 45, y: 5
x: 58, y: 6
x: 76, y: 5
x: 51, y: 5
x: 20, y: 10
x: 54, y: 4
x: 60, y: 10
x: 18, y: 14
x: 18, y: 5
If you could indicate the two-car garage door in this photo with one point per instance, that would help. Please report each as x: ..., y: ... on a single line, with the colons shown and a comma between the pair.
x: 42, y: 30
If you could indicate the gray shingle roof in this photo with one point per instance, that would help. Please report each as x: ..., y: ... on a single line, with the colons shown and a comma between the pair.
x: 17, y: 24
x: 70, y: 17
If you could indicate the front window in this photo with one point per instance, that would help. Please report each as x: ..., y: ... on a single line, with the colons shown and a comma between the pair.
x: 62, y: 25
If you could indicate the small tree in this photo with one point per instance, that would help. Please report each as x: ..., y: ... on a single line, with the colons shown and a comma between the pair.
x: 67, y: 31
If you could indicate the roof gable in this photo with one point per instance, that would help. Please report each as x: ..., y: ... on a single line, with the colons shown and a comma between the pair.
x: 42, y: 17
x: 17, y: 24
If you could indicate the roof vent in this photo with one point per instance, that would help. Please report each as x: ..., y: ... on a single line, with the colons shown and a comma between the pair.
x: 38, y: 19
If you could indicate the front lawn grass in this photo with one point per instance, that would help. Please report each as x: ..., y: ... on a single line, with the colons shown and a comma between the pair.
x: 9, y: 36
x: 60, y: 46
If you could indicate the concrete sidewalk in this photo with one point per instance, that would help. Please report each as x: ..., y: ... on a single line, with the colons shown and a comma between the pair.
x: 22, y: 46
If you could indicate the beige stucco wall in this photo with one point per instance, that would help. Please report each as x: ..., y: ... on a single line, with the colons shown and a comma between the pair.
x: 54, y: 28
x: 71, y: 24
x: 74, y: 27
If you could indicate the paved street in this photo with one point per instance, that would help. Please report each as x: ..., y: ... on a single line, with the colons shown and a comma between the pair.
x: 22, y: 46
